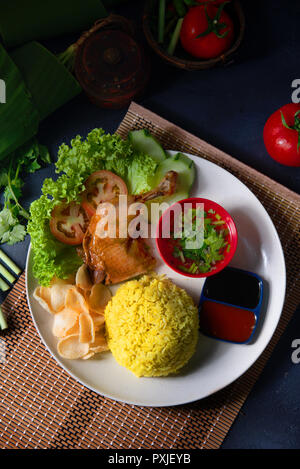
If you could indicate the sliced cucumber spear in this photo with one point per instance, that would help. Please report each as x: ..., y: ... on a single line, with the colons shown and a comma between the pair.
x: 6, y: 274
x: 143, y: 141
x: 3, y: 323
x: 3, y: 285
x: 4, y: 257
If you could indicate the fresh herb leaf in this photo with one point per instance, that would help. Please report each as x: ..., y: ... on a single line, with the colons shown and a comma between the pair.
x: 17, y: 234
x: 44, y: 154
x: 11, y: 231
x: 212, y: 249
x: 13, y: 216
x: 7, y: 220
x: 3, y: 178
x: 33, y: 166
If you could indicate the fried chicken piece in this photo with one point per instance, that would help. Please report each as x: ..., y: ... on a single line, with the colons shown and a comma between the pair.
x: 116, y: 259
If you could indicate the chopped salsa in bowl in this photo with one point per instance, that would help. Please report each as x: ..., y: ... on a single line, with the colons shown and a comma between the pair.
x: 196, y: 237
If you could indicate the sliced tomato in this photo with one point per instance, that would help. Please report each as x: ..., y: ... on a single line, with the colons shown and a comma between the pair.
x: 68, y: 223
x: 101, y: 186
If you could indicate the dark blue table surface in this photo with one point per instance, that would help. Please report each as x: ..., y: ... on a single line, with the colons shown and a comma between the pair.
x: 228, y: 108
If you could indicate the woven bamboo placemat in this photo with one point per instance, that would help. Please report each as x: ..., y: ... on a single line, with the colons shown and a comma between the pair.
x: 41, y: 406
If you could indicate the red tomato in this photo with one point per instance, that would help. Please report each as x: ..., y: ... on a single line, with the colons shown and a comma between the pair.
x: 215, y: 27
x: 282, y: 135
x: 68, y: 223
x: 101, y: 186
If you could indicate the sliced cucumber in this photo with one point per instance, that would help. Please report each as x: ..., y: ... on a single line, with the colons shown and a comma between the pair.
x: 185, y: 168
x: 143, y: 141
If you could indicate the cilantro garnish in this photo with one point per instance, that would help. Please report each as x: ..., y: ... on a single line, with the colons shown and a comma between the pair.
x: 204, y: 258
x: 13, y: 216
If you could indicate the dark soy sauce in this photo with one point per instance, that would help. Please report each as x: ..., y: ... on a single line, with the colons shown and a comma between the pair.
x: 234, y: 287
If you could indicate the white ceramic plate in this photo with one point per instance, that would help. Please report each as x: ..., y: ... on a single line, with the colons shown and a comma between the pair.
x: 215, y: 364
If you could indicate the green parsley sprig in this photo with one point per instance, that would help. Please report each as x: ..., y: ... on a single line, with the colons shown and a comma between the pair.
x: 13, y: 217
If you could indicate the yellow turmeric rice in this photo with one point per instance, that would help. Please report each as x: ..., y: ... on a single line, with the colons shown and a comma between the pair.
x: 152, y: 326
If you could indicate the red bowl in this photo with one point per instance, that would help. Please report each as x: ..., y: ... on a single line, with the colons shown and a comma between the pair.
x: 163, y: 244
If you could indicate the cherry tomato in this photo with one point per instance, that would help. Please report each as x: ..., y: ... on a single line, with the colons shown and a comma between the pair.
x: 101, y: 186
x: 68, y: 223
x: 282, y: 135
x: 215, y: 28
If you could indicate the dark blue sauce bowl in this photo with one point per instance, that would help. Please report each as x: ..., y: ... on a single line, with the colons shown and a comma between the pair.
x: 233, y: 288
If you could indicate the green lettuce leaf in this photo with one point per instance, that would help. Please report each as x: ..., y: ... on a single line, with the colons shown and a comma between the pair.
x: 105, y: 151
x: 51, y: 258
x: 140, y: 176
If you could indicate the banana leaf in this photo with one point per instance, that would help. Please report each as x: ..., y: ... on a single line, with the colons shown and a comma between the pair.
x: 22, y: 21
x: 19, y: 118
x: 51, y: 85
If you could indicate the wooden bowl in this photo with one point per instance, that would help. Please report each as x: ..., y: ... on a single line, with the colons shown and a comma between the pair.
x: 184, y: 60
